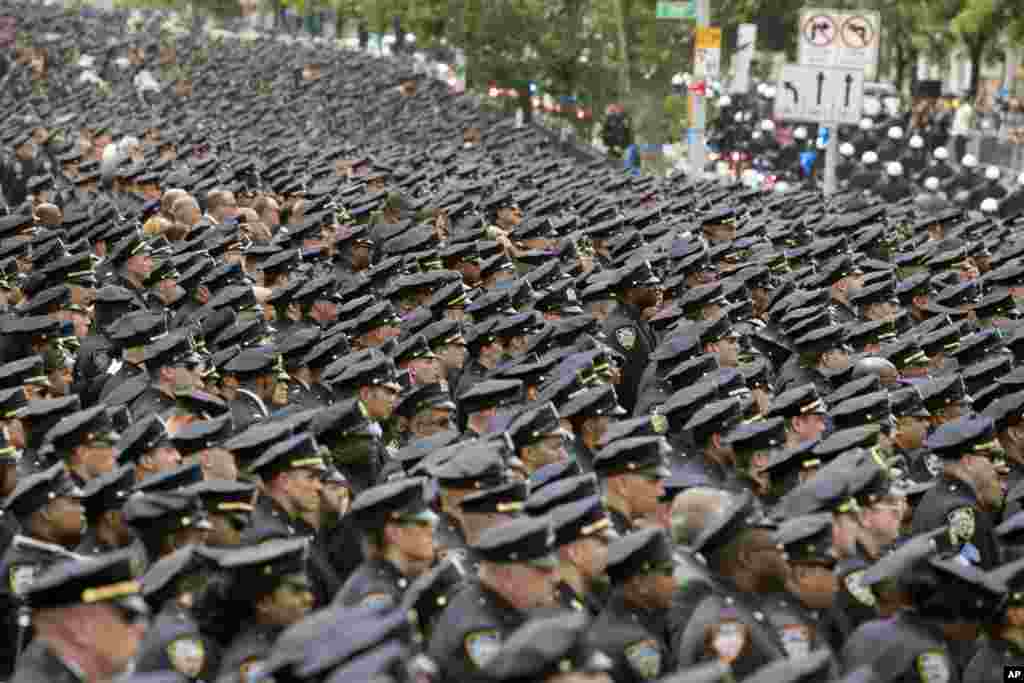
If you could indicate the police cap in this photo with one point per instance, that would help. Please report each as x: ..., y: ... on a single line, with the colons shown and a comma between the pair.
x: 296, y: 452
x: 527, y: 540
x: 36, y: 491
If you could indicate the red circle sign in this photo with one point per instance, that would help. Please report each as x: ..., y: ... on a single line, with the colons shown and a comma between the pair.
x: 819, y: 30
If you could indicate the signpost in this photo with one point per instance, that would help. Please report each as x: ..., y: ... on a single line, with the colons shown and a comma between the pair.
x: 675, y: 9
x: 848, y: 39
x: 827, y: 87
x: 829, y: 96
x: 746, y: 42
x: 709, y: 50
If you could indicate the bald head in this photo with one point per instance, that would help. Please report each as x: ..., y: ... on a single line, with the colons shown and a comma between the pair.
x: 171, y: 196
x: 186, y: 211
x: 692, y: 509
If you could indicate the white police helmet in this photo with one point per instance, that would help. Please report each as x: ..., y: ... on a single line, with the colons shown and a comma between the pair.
x: 969, y: 161
x: 800, y: 133
x: 989, y: 205
x: 847, y: 150
x: 992, y: 173
x: 869, y: 157
x: 940, y: 153
x: 866, y: 124
x: 894, y: 168
x: 916, y: 142
x: 931, y: 184
x: 895, y: 133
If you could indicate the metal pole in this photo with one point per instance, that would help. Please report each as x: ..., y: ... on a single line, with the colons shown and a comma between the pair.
x: 831, y: 152
x: 698, y: 122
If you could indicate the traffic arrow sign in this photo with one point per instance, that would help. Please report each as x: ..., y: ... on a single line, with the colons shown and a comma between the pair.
x: 811, y: 93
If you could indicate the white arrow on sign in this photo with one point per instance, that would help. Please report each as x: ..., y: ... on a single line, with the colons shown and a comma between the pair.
x: 811, y: 93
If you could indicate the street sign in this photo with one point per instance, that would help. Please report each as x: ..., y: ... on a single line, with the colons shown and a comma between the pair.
x: 669, y: 9
x: 746, y: 42
x: 833, y: 38
x: 708, y: 50
x: 819, y: 94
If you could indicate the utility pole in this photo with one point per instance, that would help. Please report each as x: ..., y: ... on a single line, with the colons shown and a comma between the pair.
x: 698, y: 118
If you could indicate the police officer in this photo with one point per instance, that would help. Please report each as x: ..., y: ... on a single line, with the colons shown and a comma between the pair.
x: 270, y: 590
x: 85, y: 441
x: 968, y: 493
x: 397, y: 528
x: 290, y: 472
x: 583, y: 534
x: 172, y: 363
x: 517, y: 574
x: 102, y: 498
x: 632, y: 473
x: 179, y: 589
x: 97, y: 597
x: 632, y: 628
x: 252, y: 385
x: 627, y: 330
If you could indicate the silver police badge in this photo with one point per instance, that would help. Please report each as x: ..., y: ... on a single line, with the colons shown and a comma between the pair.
x: 858, y: 590
x: 481, y: 646
x: 187, y: 656
x: 626, y: 337
x: 933, y: 667
x: 961, y: 525
x: 645, y: 659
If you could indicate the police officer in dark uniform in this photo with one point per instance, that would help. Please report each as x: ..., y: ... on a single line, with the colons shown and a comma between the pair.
x: 517, y: 575
x: 583, y: 534
x: 148, y: 447
x: 913, y: 645
x: 720, y: 617
x: 290, y: 471
x: 626, y: 329
x: 252, y: 381
x: 1002, y: 647
x: 84, y: 440
x: 130, y: 258
x: 397, y: 528
x: 632, y: 628
x: 171, y: 362
x: 632, y: 472
x: 126, y: 355
x: 99, y: 596
x: 102, y: 498
x: 467, y: 473
x: 965, y: 498
x: 179, y: 589
x: 293, y: 349
x: 806, y: 542
x: 50, y: 515
x: 96, y: 353
x: 816, y: 352
x: 270, y: 591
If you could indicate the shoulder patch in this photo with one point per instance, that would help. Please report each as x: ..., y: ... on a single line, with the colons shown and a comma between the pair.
x: 644, y: 657
x: 796, y: 640
x: 187, y: 655
x: 378, y: 601
x: 728, y: 639
x: 481, y: 646
x: 627, y: 337
x: 961, y: 525
x: 21, y: 577
x: 933, y: 667
x: 251, y: 670
x: 858, y: 590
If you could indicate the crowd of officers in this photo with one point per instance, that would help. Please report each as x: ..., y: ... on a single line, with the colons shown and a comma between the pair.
x: 341, y: 379
x: 891, y: 154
